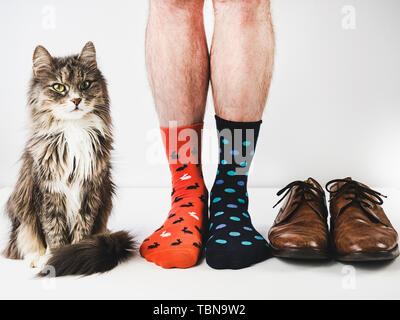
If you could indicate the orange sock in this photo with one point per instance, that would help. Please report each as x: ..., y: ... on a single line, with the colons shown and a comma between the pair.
x: 178, y: 243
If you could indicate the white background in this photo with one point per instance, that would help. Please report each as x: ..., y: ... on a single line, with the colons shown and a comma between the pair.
x: 334, y: 107
x: 333, y: 112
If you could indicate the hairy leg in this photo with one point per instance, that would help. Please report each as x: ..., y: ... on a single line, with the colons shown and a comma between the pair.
x: 177, y: 60
x: 242, y: 58
x: 178, y: 65
x: 241, y: 68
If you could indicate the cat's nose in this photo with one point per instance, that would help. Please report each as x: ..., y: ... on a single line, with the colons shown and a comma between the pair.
x: 76, y: 101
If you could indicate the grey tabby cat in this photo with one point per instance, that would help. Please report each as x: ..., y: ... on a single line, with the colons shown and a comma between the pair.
x: 63, y: 198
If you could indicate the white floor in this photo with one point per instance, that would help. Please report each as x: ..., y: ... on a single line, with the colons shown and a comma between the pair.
x: 143, y: 210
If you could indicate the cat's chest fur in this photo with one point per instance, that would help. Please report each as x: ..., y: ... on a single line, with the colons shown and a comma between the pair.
x: 75, y: 164
x: 79, y: 156
x: 80, y: 163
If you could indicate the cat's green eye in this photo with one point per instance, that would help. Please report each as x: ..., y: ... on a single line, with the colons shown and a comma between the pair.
x: 85, y: 85
x: 59, y: 87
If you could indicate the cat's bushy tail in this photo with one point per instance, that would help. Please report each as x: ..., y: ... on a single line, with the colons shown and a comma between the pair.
x: 96, y: 254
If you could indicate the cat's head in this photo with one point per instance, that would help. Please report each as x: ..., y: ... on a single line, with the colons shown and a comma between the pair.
x: 67, y: 88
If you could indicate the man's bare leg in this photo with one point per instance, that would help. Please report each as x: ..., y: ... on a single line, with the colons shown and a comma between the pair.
x: 241, y: 67
x: 178, y: 60
x: 242, y: 58
x: 178, y: 64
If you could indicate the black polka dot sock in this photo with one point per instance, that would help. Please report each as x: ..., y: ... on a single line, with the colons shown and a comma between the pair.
x: 233, y: 241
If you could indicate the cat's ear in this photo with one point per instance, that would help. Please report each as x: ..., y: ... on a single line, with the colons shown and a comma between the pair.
x: 42, y: 60
x: 88, y: 55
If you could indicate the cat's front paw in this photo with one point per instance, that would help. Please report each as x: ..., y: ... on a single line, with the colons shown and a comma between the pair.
x: 42, y: 263
x: 34, y: 260
x: 38, y: 261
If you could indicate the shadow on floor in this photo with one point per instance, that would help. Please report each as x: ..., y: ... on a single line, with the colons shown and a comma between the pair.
x: 371, y: 266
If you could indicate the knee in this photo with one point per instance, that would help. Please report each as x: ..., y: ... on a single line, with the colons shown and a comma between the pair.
x: 191, y: 5
x: 250, y: 3
x: 243, y: 5
x: 244, y: 10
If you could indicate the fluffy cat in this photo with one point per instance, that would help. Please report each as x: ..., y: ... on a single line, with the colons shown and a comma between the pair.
x: 63, y: 198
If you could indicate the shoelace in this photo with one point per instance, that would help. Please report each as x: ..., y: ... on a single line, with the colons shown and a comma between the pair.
x: 303, y: 189
x: 356, y: 193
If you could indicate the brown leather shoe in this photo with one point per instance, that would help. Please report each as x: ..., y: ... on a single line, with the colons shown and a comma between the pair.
x: 359, y: 227
x: 300, y: 230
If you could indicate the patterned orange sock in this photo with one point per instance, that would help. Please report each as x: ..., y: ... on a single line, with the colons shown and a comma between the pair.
x: 179, y: 242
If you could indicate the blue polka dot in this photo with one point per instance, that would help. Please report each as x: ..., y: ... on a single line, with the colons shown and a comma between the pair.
x: 230, y: 190
x: 220, y: 241
x: 211, y: 225
x: 224, y: 162
x: 234, y: 152
x: 246, y: 215
x: 241, y: 183
x: 219, y: 182
x: 246, y: 243
x: 241, y: 201
x: 259, y: 238
x: 252, y: 152
x: 231, y: 173
x: 219, y: 214
x: 247, y: 229
x: 232, y: 206
x: 217, y: 200
x: 234, y: 234
x: 217, y: 172
x: 243, y: 164
x: 225, y: 141
x: 221, y: 226
x: 220, y: 150
x: 246, y: 194
x: 235, y: 218
x: 247, y: 143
